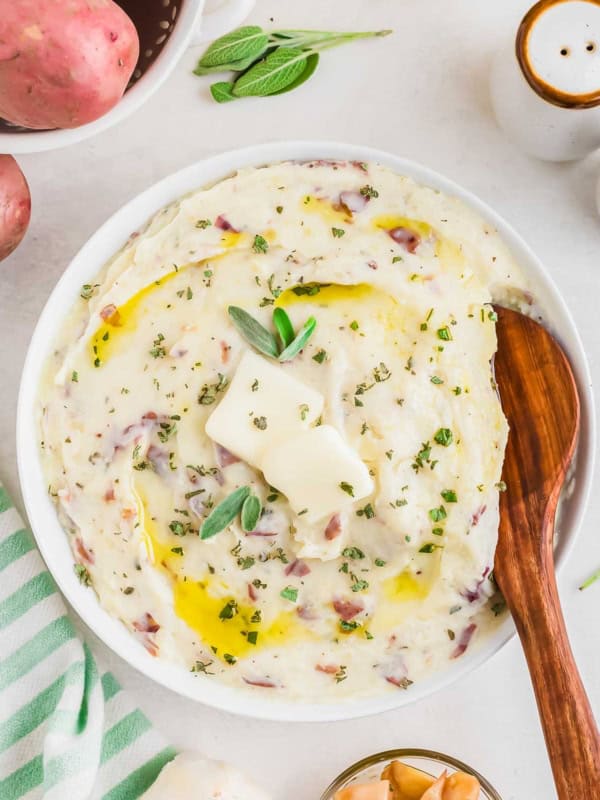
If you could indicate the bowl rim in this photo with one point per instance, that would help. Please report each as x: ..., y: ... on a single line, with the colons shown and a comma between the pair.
x: 408, y: 752
x: 36, y: 141
x: 49, y: 534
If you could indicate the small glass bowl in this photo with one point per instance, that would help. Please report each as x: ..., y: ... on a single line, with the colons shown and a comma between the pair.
x: 371, y: 767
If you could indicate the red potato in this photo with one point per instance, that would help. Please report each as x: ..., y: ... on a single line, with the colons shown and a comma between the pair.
x: 63, y: 63
x: 15, y: 205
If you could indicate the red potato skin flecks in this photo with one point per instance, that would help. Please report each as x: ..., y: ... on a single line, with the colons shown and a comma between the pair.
x: 63, y: 63
x: 15, y: 205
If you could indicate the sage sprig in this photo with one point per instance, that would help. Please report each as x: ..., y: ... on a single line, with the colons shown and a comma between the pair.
x: 264, y: 341
x: 269, y: 63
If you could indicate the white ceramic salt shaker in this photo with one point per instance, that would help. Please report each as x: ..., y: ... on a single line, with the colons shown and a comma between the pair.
x: 545, y: 83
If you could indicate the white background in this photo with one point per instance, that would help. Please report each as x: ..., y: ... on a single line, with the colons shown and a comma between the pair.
x: 421, y: 93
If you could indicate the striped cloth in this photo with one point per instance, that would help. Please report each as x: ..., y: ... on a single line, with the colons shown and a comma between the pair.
x: 67, y: 730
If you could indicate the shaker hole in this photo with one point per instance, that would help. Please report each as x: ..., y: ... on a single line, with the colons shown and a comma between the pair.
x: 565, y: 51
x: 591, y: 47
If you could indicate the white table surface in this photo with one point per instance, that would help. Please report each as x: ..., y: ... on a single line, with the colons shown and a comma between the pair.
x: 421, y: 93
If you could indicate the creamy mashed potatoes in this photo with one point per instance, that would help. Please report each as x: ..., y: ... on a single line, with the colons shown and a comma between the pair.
x: 360, y: 592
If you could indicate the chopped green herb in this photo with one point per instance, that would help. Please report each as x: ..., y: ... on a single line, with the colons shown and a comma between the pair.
x: 203, y: 223
x: 353, y: 552
x: 429, y: 547
x: 359, y: 586
x: 369, y: 191
x: 209, y: 391
x: 279, y: 209
x: 348, y: 626
x: 338, y: 232
x: 437, y: 514
x: 435, y: 379
x: 444, y: 437
x: 354, y: 325
x: 177, y: 550
x: 367, y: 511
x: 449, y: 495
x: 304, y: 409
x: 74, y: 376
x: 229, y: 658
x: 229, y: 610
x: 320, y: 356
x: 252, y: 637
x: 260, y: 244
x: 201, y: 666
x: 444, y: 333
x: 379, y: 562
x: 289, y: 593
x: 347, y: 487
x: 83, y: 574
x: 158, y: 351
x: 260, y: 423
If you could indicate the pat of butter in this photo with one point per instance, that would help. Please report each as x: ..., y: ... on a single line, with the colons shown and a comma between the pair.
x: 262, y: 406
x: 311, y: 468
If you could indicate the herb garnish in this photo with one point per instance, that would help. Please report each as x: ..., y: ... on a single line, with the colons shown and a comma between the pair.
x: 347, y: 487
x: 264, y: 341
x: 260, y: 244
x: 289, y: 593
x: 83, y: 574
x: 224, y: 513
x: 260, y: 423
x: 251, y: 511
x: 209, y: 391
x: 444, y: 437
x: 353, y: 552
x: 284, y: 326
x: 268, y: 63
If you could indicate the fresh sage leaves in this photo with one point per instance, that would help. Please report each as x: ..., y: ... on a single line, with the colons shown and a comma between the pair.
x: 253, y: 332
x: 223, y: 514
x: 242, y: 502
x: 264, y: 341
x: 284, y: 326
x: 245, y: 44
x: 269, y: 63
x: 292, y: 350
x: 251, y: 511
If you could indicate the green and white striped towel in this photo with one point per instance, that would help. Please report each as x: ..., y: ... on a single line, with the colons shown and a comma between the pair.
x: 67, y: 730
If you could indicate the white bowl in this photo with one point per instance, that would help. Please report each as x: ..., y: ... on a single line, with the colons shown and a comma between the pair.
x: 190, y: 23
x: 50, y: 536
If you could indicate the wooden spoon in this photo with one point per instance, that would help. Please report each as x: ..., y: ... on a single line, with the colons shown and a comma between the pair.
x: 540, y: 400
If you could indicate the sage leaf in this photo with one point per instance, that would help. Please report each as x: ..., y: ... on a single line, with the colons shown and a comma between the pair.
x: 284, y: 326
x: 273, y: 74
x: 251, y: 511
x: 227, y: 510
x: 232, y: 66
x: 312, y: 62
x: 249, y: 41
x: 299, y: 342
x: 221, y: 92
x: 253, y: 332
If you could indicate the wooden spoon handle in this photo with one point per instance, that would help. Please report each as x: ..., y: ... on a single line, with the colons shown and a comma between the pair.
x: 569, y: 727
